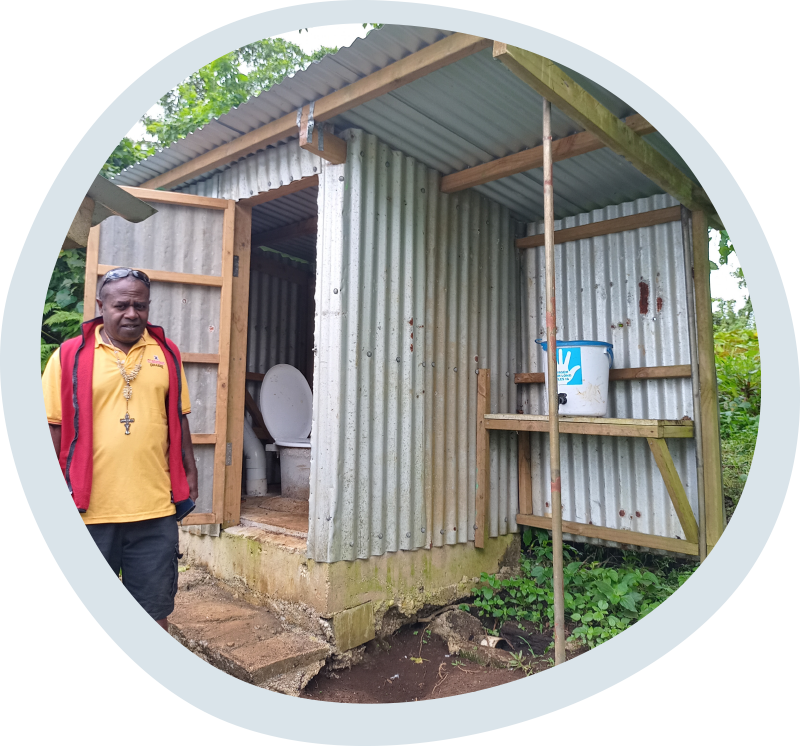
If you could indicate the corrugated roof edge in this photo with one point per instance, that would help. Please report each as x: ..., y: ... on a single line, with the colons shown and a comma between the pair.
x: 216, y: 120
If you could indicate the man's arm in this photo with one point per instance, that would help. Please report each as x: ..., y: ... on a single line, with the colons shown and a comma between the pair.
x: 189, y: 463
x: 55, y: 434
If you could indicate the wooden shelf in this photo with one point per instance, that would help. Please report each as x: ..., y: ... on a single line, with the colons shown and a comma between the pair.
x: 538, y: 423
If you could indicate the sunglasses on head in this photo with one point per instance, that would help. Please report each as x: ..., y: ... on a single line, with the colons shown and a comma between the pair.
x: 123, y: 272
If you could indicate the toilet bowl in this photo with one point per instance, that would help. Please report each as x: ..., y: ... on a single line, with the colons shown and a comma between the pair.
x: 286, y: 406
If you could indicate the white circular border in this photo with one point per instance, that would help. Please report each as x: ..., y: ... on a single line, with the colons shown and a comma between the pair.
x: 321, y: 722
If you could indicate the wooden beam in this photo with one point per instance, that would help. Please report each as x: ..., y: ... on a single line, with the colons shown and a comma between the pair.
x: 204, y: 438
x: 524, y: 469
x: 90, y: 282
x: 254, y: 376
x: 198, y: 519
x: 675, y: 489
x: 322, y: 142
x: 207, y: 358
x: 176, y: 198
x: 624, y: 374
x: 157, y: 275
x: 649, y: 541
x: 431, y: 58
x: 605, y: 227
x: 294, y: 230
x: 709, y: 401
x: 298, y: 185
x: 237, y: 365
x: 549, y: 81
x: 482, y: 457
x: 527, y: 160
x: 261, y: 262
x: 622, y: 428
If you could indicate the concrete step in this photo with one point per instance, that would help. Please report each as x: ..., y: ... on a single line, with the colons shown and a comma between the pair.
x: 248, y: 642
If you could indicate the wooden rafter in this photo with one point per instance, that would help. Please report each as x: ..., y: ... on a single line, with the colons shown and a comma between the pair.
x: 294, y: 230
x: 556, y: 86
x: 434, y: 57
x: 526, y: 160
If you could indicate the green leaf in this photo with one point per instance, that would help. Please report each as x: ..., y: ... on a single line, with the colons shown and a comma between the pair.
x: 628, y: 603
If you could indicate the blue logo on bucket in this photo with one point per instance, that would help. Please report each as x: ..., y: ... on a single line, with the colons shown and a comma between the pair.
x: 568, y: 366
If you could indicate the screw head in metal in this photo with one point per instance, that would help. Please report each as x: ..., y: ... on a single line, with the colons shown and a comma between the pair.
x: 380, y: 536
x: 327, y: 517
x: 341, y: 178
x: 408, y: 534
x: 475, y: 527
x: 422, y: 190
x: 476, y: 371
x: 423, y: 530
x: 369, y: 354
x: 433, y: 365
x: 398, y: 359
x: 441, y: 530
x: 336, y: 291
x: 507, y: 374
x: 351, y: 543
x: 455, y: 370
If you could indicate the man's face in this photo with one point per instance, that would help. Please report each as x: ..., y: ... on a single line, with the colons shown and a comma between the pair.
x: 125, y: 305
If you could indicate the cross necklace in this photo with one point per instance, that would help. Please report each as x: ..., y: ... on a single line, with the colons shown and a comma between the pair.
x: 127, y: 390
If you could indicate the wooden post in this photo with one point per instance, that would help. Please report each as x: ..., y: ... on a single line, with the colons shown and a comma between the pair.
x: 240, y: 297
x: 677, y: 494
x: 90, y: 281
x: 709, y: 401
x: 525, y: 486
x: 482, y: 457
x: 552, y: 388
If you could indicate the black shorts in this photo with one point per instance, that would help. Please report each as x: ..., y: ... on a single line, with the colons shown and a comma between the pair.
x: 147, y: 554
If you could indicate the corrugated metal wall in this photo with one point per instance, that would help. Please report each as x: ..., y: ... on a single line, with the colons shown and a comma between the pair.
x: 180, y: 239
x: 279, y: 331
x: 260, y: 172
x: 412, y: 286
x: 627, y: 289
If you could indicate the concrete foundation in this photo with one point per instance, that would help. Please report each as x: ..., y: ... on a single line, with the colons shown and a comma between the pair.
x: 390, y: 590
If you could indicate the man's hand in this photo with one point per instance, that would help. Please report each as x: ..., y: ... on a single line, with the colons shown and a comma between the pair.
x: 189, y: 464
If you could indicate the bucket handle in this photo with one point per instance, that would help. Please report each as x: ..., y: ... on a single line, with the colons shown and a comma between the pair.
x: 610, y: 353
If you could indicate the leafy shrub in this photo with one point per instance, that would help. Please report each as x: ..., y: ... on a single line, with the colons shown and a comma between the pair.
x: 63, y: 307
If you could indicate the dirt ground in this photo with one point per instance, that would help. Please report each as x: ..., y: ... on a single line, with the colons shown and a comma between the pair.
x: 389, y: 674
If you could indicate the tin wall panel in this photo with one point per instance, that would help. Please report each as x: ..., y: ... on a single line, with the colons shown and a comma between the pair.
x: 627, y: 289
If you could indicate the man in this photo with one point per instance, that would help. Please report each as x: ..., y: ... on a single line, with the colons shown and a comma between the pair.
x: 116, y: 399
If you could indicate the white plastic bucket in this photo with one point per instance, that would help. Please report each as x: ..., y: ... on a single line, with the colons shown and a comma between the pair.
x: 582, y: 367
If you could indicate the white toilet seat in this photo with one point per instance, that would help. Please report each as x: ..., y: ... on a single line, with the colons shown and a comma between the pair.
x: 286, y: 406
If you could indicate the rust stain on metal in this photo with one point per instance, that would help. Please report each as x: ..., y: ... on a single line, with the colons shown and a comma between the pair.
x: 638, y: 514
x: 622, y: 513
x: 411, y: 322
x: 412, y: 348
x: 644, y: 297
x: 659, y: 303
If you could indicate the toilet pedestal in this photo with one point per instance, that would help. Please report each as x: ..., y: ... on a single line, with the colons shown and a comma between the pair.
x: 295, y: 472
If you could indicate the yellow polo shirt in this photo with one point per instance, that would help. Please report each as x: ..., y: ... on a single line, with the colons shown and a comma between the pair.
x: 130, y: 473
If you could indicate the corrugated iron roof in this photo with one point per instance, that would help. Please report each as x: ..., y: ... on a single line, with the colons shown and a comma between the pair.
x: 465, y: 114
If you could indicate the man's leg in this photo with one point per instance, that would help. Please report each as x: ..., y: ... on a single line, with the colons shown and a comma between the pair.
x: 150, y: 565
x: 108, y: 538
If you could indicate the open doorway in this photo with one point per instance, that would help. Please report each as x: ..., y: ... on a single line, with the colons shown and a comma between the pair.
x: 280, y: 332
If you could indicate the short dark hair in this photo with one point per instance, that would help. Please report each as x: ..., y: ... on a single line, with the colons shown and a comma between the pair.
x: 120, y: 273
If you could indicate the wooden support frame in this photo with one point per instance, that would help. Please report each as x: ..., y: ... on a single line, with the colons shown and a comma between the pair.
x: 320, y: 140
x: 660, y: 451
x: 572, y: 99
x: 622, y: 428
x: 482, y: 465
x: 298, y: 185
x: 709, y: 398
x: 524, y: 468
x: 527, y: 160
x: 157, y: 275
x: 655, y: 372
x: 433, y: 57
x: 605, y: 227
x: 176, y: 198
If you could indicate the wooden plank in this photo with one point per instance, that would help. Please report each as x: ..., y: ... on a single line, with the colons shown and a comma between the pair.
x: 208, y: 358
x: 204, y: 438
x: 675, y: 489
x: 225, y: 309
x: 577, y: 428
x: 157, y: 275
x: 624, y: 374
x: 261, y: 262
x: 301, y: 228
x: 254, y: 376
x: 199, y: 519
x: 482, y: 457
x: 176, y: 198
x: 556, y: 86
x: 330, y: 148
x: 672, y: 431
x: 525, y: 482
x: 90, y: 280
x: 526, y: 160
x: 298, y: 185
x: 258, y: 421
x: 649, y: 541
x: 605, y: 227
x: 237, y: 367
x: 418, y: 64
x: 709, y: 402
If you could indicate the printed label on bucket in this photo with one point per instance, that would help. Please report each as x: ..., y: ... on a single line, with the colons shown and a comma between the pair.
x: 568, y: 366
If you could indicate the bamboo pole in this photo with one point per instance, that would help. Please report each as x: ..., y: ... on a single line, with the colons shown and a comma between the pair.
x: 688, y: 255
x: 552, y: 387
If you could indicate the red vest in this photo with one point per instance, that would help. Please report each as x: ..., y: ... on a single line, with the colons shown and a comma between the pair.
x: 76, y: 457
